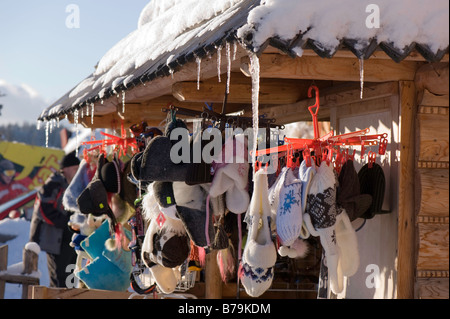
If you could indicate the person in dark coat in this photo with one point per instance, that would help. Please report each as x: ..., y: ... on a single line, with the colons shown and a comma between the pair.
x: 49, y: 222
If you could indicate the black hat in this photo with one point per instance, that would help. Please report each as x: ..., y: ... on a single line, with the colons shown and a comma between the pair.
x: 94, y: 198
x: 70, y: 160
x: 349, y: 194
x: 155, y: 164
x: 372, y: 182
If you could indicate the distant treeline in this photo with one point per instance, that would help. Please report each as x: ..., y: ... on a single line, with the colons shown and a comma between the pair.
x: 27, y: 133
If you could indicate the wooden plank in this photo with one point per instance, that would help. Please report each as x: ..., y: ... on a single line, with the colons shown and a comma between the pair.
x: 42, y: 292
x: 433, y: 142
x: 433, y: 288
x: 433, y: 246
x: 213, y: 281
x: 433, y: 192
x: 338, y: 69
x: 406, y: 205
x: 3, y: 267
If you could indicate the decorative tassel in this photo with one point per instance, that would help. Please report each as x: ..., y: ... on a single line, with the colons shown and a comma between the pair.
x: 226, y: 262
x: 201, y: 256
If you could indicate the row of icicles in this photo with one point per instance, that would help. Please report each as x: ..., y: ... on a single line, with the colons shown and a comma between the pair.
x: 255, y: 76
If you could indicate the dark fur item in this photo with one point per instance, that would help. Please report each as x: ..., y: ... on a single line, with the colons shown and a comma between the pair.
x: 155, y: 164
x: 194, y: 221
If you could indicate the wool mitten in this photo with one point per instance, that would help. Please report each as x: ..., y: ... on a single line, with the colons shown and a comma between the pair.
x: 289, y: 217
x: 320, y: 218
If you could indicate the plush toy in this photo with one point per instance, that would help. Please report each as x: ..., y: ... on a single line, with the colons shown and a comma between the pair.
x: 83, y: 227
x: 108, y: 269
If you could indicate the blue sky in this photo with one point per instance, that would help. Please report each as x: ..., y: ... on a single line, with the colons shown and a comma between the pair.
x: 39, y: 51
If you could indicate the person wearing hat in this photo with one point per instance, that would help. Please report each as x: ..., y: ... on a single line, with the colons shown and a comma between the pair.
x: 9, y: 188
x: 49, y: 222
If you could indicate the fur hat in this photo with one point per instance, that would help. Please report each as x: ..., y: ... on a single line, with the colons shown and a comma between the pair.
x: 198, y: 224
x: 348, y: 192
x: 155, y: 164
x: 165, y: 242
x: 259, y: 256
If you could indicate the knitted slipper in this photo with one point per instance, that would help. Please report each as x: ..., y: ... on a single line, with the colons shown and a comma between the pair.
x: 348, y: 245
x: 164, y: 277
x: 260, y: 254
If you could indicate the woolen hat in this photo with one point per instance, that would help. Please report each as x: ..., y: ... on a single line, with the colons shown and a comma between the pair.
x: 155, y: 163
x: 372, y: 182
x: 70, y: 160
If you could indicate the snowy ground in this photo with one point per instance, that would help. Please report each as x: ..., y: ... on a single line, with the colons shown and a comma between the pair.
x: 20, y: 228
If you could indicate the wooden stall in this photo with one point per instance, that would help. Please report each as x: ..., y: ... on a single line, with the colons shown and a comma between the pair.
x: 403, y: 93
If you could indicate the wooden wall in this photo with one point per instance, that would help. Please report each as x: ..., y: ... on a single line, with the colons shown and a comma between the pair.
x: 432, y: 196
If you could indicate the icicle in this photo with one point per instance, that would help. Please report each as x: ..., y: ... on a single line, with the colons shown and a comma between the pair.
x: 92, y: 112
x: 82, y: 113
x: 38, y: 125
x: 254, y: 71
x: 199, y: 62
x: 66, y: 117
x: 57, y: 121
x: 87, y: 110
x: 228, y: 49
x: 47, y: 124
x: 75, y: 115
x: 123, y: 102
x: 51, y: 126
x: 234, y: 50
x: 219, y: 62
x: 361, y: 77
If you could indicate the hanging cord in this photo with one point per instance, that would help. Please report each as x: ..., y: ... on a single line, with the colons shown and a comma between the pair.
x: 362, y: 225
x: 208, y: 242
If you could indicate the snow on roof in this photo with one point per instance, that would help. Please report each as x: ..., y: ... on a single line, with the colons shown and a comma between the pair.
x: 328, y: 22
x: 171, y: 33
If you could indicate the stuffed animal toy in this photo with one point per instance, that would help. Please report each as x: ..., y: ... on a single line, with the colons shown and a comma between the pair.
x: 83, y: 227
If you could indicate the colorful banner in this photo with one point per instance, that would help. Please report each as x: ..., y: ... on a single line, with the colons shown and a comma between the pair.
x: 24, y: 168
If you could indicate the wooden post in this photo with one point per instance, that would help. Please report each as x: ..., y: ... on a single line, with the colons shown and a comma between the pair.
x: 406, y: 213
x: 30, y: 261
x: 3, y: 267
x: 213, y: 282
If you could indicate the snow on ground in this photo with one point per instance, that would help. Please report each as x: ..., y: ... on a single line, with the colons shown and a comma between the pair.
x: 20, y: 228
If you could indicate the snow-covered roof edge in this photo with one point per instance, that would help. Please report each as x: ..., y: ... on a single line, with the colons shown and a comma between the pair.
x: 289, y: 26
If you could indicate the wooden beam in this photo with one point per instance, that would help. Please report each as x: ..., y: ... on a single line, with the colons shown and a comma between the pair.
x: 433, y: 77
x: 336, y: 69
x: 272, y: 91
x: 346, y: 94
x: 406, y: 211
x: 379, y: 54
